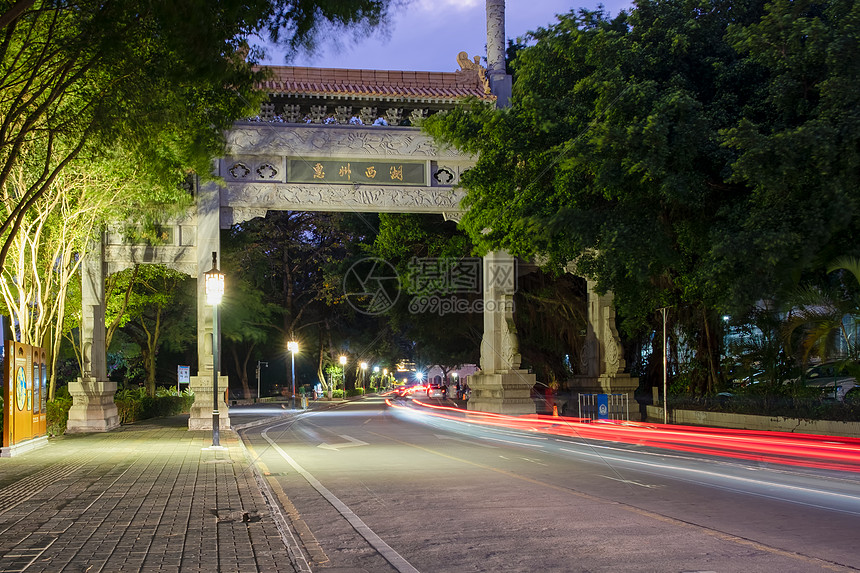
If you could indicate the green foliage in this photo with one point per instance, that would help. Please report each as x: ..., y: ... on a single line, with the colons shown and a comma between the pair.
x: 136, y: 404
x: 695, y: 154
x: 152, y: 306
x: 57, y: 416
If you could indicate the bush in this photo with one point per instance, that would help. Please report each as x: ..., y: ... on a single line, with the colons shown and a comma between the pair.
x: 57, y: 416
x: 135, y: 404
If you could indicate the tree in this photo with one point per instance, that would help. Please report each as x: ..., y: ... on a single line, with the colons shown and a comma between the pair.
x: 47, y: 254
x: 162, y: 80
x: 247, y: 320
x: 641, y: 147
x: 282, y: 261
x: 158, y: 311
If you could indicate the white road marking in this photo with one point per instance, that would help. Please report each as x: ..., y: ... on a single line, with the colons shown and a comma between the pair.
x: 836, y: 499
x: 631, y: 482
x: 352, y: 442
x: 512, y: 442
x: 396, y: 560
x: 470, y: 442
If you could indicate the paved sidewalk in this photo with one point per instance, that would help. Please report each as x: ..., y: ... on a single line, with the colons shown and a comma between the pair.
x: 145, y: 497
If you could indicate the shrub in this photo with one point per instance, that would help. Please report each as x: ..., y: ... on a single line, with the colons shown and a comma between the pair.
x: 57, y: 416
x: 135, y: 404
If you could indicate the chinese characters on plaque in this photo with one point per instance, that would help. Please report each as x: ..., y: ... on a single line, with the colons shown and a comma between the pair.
x: 361, y: 172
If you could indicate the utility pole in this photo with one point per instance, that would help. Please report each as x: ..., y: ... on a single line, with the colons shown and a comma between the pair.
x: 664, y: 311
x: 266, y: 364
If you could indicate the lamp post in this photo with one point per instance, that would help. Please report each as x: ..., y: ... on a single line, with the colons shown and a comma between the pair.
x: 363, y: 370
x: 266, y: 364
x: 293, y: 347
x: 214, y: 285
x: 343, y: 371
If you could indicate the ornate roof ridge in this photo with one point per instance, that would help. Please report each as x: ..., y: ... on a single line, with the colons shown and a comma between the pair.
x: 295, y: 80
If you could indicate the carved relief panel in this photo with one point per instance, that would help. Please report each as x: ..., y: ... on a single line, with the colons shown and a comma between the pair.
x: 253, y: 168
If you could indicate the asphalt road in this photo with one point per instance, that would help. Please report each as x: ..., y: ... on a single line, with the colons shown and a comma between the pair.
x: 368, y: 487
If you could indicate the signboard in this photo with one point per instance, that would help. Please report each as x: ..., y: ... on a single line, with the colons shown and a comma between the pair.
x: 348, y: 172
x: 603, y: 406
x: 183, y: 376
x: 25, y: 399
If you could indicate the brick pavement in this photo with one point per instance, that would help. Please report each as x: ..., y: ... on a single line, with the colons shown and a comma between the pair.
x: 146, y: 498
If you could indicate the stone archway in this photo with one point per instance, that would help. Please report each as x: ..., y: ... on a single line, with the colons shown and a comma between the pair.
x: 331, y: 140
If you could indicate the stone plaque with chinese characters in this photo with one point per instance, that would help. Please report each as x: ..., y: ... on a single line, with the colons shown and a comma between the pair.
x: 348, y: 172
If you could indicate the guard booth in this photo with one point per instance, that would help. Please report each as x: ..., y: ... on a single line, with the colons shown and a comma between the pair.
x: 25, y: 398
x: 604, y: 407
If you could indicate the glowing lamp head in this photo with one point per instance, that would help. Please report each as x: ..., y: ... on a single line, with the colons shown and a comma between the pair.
x: 343, y: 360
x: 293, y: 346
x: 213, y: 281
x: 364, y: 365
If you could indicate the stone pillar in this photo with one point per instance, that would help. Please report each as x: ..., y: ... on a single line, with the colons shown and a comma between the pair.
x: 500, y: 81
x: 500, y: 386
x: 602, y: 358
x: 208, y: 202
x: 93, y: 407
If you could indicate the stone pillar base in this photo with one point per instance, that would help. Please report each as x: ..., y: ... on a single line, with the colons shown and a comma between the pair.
x: 201, y: 409
x: 502, y: 393
x: 93, y: 408
x: 604, y: 384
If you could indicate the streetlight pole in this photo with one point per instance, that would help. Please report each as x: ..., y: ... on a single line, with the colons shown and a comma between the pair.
x: 343, y: 372
x: 664, y: 311
x: 266, y: 364
x: 363, y: 370
x: 293, y: 347
x: 214, y: 284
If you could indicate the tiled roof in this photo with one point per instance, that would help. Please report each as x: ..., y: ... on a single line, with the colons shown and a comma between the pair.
x: 375, y: 84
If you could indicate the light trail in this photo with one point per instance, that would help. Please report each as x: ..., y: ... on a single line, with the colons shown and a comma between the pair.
x: 805, y: 450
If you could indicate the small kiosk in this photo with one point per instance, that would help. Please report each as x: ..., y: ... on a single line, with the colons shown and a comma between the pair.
x: 25, y: 399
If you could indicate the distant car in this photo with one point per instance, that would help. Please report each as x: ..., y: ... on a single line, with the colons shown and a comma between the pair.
x: 437, y: 391
x: 402, y: 391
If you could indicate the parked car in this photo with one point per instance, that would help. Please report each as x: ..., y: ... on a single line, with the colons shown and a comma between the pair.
x: 827, y: 377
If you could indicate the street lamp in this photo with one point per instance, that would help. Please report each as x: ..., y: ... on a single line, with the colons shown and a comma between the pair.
x: 214, y: 285
x: 293, y: 347
x: 343, y: 372
x: 363, y: 369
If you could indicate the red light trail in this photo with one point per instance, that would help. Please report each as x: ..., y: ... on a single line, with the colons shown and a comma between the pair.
x: 806, y: 450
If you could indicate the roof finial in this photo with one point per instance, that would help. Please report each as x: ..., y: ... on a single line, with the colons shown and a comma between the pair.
x: 467, y: 64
